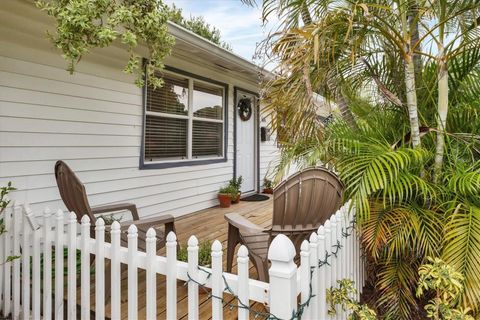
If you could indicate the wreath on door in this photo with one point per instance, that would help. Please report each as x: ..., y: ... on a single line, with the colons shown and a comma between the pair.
x: 245, y: 109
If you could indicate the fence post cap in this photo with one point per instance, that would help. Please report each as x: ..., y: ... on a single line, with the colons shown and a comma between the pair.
x: 72, y: 217
x: 281, y: 249
x: 313, y: 237
x: 132, y: 229
x: 171, y: 237
x: 151, y: 233
x: 242, y: 251
x: 115, y: 226
x: 85, y: 219
x: 327, y: 224
x: 304, y: 247
x: 99, y: 222
x: 216, y: 246
x: 192, y: 241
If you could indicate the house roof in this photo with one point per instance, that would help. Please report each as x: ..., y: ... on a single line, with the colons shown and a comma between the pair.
x: 195, y: 46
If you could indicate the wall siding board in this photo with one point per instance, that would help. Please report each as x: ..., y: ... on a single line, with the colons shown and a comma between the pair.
x: 93, y: 121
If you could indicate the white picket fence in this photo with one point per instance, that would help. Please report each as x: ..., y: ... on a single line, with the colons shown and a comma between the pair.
x: 23, y: 296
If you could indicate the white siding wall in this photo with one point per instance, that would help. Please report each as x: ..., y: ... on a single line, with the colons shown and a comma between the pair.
x: 93, y: 121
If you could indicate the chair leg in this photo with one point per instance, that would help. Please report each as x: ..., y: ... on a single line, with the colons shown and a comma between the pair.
x: 233, y: 240
x: 261, y: 266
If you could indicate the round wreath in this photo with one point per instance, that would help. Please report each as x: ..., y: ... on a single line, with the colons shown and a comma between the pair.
x: 245, y: 109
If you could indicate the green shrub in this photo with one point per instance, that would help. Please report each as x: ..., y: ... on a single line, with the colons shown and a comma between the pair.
x: 447, y: 285
x: 204, y: 254
x: 342, y: 296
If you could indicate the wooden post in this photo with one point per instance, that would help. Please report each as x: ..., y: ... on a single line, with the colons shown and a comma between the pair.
x: 314, y: 278
x: 171, y: 275
x: 305, y: 278
x: 72, y: 266
x: 132, y: 272
x: 59, y: 272
x: 283, y: 277
x: 322, y: 303
x: 115, y: 271
x: 47, y: 265
x: 151, y: 276
x: 217, y: 280
x: 85, y: 268
x: 193, y: 273
x: 100, y: 269
x: 243, y: 277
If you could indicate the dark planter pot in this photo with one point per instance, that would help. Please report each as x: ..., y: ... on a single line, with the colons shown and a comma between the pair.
x: 225, y: 200
x: 268, y: 190
x: 237, y: 199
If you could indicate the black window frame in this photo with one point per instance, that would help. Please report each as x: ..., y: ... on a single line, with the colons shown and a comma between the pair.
x: 189, y: 162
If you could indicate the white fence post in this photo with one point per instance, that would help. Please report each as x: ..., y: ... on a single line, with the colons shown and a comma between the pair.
x: 132, y: 272
x: 171, y: 275
x: 100, y: 269
x: 193, y: 273
x: 85, y: 268
x: 36, y: 273
x: 115, y: 270
x: 322, y: 303
x: 151, y: 277
x: 47, y: 265
x: 59, y: 239
x: 26, y: 243
x: 217, y: 281
x: 305, y: 279
x: 283, y: 277
x: 243, y: 294
x: 16, y: 227
x: 72, y: 266
x: 314, y: 278
x: 7, y: 251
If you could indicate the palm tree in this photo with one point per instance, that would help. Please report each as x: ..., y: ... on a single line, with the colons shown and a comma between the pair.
x: 415, y: 186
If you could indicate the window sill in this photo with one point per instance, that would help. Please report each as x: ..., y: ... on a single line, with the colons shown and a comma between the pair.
x: 173, y: 164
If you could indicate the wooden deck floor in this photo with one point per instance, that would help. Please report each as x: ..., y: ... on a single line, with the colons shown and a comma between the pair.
x: 209, y: 225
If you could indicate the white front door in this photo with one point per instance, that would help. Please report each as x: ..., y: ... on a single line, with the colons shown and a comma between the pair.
x: 246, y: 141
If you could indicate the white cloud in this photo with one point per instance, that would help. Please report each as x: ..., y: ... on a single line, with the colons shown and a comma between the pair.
x: 240, y: 25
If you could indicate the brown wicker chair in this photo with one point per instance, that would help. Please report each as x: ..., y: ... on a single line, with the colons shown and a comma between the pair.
x: 301, y: 204
x: 75, y: 198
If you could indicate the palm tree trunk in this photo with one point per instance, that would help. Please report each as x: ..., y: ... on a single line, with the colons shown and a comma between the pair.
x: 442, y: 113
x: 412, y: 100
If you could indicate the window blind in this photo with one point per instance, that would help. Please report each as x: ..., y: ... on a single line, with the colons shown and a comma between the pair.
x: 171, y: 98
x: 165, y: 138
x: 171, y: 116
x: 207, y: 139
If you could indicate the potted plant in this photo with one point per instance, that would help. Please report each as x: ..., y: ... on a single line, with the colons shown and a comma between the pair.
x: 267, y: 186
x: 225, y: 196
x: 237, y: 185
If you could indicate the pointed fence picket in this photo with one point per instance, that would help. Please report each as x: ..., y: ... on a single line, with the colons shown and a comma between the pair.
x: 33, y: 286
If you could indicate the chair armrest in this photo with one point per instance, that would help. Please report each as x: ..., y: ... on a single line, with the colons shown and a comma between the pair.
x: 149, y: 222
x: 243, y: 223
x: 117, y: 207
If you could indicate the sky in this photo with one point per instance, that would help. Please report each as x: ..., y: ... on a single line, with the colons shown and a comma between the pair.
x: 240, y: 25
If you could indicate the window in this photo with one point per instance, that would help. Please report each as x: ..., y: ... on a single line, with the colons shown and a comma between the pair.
x: 184, y: 121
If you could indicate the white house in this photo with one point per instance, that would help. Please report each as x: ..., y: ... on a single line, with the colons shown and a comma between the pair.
x: 167, y: 151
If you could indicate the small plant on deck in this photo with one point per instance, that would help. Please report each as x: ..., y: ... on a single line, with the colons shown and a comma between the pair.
x: 236, y: 183
x: 267, y: 186
x: 226, y: 194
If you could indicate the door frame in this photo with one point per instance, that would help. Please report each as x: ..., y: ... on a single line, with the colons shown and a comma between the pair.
x: 256, y: 119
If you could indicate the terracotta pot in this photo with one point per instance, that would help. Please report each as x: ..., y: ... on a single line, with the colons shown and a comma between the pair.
x: 225, y: 200
x: 268, y: 190
x: 237, y: 199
